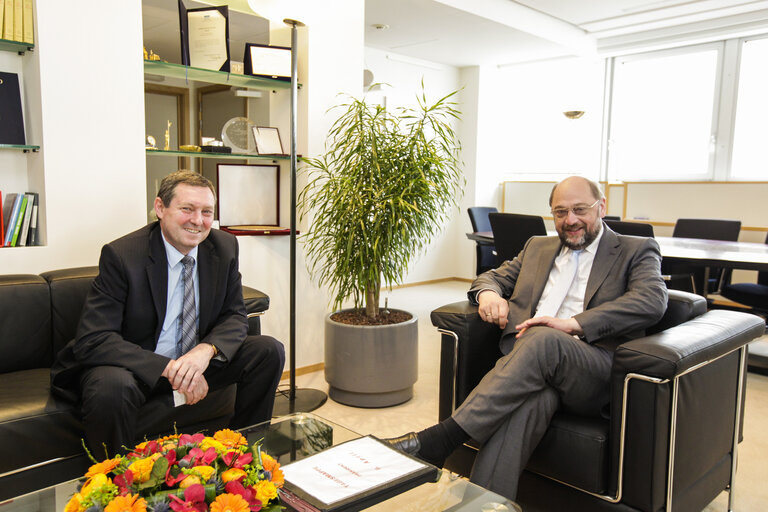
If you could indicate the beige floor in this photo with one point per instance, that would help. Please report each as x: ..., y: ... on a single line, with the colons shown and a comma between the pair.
x: 751, y: 492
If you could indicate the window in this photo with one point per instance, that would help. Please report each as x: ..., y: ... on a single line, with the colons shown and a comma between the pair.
x: 662, y: 114
x: 750, y: 144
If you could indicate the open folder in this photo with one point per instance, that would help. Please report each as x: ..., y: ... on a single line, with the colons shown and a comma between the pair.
x: 352, y: 476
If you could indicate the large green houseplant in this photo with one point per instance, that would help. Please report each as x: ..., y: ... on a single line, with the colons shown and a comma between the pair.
x: 377, y: 197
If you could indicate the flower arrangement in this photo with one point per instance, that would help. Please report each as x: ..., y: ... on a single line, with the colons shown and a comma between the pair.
x: 183, y: 473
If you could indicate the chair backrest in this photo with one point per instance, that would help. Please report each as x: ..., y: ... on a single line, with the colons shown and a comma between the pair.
x: 478, y: 216
x: 511, y: 231
x: 629, y: 228
x: 708, y: 229
x: 611, y: 217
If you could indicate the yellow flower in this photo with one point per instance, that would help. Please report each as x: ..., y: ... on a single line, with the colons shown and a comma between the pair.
x: 265, y: 491
x: 103, y: 467
x: 74, y: 503
x: 141, y: 469
x: 93, y: 483
x: 229, y: 503
x: 190, y: 480
x: 130, y: 503
x: 211, y: 442
x: 230, y: 438
x: 205, y: 472
x: 232, y: 474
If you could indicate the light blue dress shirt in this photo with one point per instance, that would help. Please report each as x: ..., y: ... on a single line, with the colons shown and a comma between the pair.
x: 169, y: 335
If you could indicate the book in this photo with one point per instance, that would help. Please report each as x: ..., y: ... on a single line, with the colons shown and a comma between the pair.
x: 24, y: 233
x: 8, y: 20
x: 28, y: 31
x: 32, y: 240
x: 351, y: 476
x: 18, y: 20
x: 19, y: 220
x: 11, y: 117
x: 11, y: 203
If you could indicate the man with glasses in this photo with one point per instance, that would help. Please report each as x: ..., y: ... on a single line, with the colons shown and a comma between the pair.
x: 564, y: 304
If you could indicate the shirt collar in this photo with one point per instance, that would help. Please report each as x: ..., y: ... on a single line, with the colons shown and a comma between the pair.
x: 173, y: 255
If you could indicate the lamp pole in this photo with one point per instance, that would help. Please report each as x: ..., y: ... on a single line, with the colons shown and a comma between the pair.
x: 298, y: 400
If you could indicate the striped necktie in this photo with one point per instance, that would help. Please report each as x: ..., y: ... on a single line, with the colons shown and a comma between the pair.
x: 188, y: 319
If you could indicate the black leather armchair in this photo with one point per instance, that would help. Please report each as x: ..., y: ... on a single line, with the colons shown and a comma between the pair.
x: 670, y: 439
x: 40, y: 434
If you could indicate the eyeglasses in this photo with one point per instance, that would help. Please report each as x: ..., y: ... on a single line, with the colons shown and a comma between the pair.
x: 578, y: 211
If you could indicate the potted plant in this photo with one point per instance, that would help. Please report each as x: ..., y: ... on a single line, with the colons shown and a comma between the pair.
x: 377, y: 197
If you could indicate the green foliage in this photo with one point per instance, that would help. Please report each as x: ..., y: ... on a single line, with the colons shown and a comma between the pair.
x: 378, y: 196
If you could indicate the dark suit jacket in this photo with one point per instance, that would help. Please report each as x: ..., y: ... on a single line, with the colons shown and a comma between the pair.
x: 124, y: 311
x: 625, y: 292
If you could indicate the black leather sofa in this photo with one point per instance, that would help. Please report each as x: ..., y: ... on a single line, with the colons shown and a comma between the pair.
x: 40, y: 435
x: 669, y: 439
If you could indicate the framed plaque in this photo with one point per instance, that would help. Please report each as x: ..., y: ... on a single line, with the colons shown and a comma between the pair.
x: 268, y: 61
x: 267, y: 140
x: 205, y: 37
x: 248, y: 196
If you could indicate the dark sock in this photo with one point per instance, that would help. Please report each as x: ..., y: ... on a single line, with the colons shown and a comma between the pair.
x: 439, y: 441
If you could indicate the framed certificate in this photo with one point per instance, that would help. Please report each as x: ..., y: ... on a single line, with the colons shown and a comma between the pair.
x: 268, y: 61
x: 267, y: 140
x: 205, y: 37
x: 248, y: 196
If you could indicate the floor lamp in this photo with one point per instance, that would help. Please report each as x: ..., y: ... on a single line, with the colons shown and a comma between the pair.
x: 296, y: 400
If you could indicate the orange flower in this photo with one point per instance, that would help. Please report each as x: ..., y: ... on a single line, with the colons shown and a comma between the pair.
x: 230, y: 438
x: 228, y: 503
x: 74, y: 503
x: 103, y: 467
x: 130, y: 503
x: 232, y: 474
x: 273, y: 467
x: 265, y: 491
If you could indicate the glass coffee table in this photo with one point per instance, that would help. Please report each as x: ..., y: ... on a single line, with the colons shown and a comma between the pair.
x: 293, y: 437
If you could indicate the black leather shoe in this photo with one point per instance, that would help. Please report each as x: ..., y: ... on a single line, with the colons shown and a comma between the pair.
x: 408, y: 443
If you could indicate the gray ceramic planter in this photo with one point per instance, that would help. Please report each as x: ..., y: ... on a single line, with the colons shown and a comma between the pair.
x: 371, y: 366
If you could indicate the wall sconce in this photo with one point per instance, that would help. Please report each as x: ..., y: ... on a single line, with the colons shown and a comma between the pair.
x: 573, y: 114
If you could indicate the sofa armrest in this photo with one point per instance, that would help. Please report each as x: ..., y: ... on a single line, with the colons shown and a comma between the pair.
x: 674, y: 351
x: 469, y: 349
x: 256, y: 303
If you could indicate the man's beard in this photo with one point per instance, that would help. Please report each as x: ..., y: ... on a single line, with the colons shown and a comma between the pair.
x: 584, y: 240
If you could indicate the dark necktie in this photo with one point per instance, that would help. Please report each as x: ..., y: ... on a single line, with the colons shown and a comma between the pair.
x: 188, y: 338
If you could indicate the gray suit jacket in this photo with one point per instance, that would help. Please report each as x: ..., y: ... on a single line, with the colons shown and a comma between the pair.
x: 625, y: 292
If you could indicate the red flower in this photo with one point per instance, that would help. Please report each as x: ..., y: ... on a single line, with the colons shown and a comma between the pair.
x: 194, y: 500
x: 235, y: 459
x: 123, y: 482
x: 235, y: 487
x: 190, y: 439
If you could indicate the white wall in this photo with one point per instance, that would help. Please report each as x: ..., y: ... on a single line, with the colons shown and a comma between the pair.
x: 88, y: 118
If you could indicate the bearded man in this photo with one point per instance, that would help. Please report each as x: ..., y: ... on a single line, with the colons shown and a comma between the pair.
x: 564, y: 304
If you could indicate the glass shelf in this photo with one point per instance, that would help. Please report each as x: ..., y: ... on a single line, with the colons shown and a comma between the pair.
x: 156, y: 67
x: 21, y: 147
x: 15, y: 46
x: 225, y: 156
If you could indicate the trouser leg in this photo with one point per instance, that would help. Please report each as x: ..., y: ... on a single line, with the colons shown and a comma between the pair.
x: 110, y: 399
x: 542, y: 358
x: 501, y: 460
x: 256, y: 368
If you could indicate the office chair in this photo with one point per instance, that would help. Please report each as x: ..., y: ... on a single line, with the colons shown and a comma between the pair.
x: 612, y: 217
x: 754, y: 295
x: 629, y: 228
x: 511, y: 231
x: 486, y: 257
x: 689, y: 278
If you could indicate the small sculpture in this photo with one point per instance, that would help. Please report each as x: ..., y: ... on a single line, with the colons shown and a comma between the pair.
x: 168, y: 137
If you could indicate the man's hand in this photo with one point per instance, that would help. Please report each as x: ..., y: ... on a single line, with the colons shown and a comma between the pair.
x: 186, y: 373
x: 567, y: 325
x: 492, y: 308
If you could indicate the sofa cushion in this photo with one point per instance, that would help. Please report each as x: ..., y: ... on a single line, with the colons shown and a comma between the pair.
x: 574, y: 450
x: 69, y: 288
x: 25, y: 323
